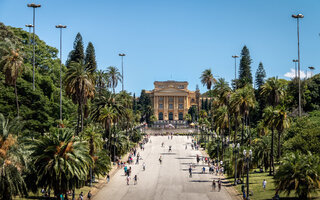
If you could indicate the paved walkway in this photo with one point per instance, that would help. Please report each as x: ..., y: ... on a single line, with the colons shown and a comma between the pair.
x: 167, y: 181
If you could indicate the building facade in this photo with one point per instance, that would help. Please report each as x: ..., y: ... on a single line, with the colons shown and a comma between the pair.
x: 172, y: 99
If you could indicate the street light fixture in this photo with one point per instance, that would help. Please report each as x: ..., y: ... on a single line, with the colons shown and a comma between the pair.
x: 34, y: 6
x: 29, y: 26
x: 295, y: 67
x: 311, y: 70
x: 122, y: 55
x: 235, y: 66
x: 61, y: 27
x: 247, y: 157
x: 299, y: 16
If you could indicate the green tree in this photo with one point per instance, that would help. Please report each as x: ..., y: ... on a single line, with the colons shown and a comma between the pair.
x: 245, y: 76
x: 114, y: 77
x: 61, y: 161
x: 260, y: 76
x: 12, y: 59
x: 207, y: 78
x: 299, y: 173
x: 90, y: 58
x: 273, y: 90
x: 77, y: 54
x: 12, y: 160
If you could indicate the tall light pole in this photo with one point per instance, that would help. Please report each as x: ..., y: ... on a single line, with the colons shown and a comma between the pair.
x: 122, y: 55
x: 299, y: 16
x: 311, y: 70
x: 61, y: 27
x: 235, y: 66
x: 34, y: 6
x: 295, y: 67
x: 29, y: 26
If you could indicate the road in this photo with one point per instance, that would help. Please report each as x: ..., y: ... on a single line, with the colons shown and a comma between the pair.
x: 168, y: 181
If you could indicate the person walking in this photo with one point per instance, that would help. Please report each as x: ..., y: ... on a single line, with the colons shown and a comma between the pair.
x: 203, y: 170
x: 135, y: 179
x: 213, y: 185
x: 81, y: 196
x: 128, y: 180
x: 219, y: 184
x: 190, y: 171
x: 160, y: 160
x: 144, y: 166
x: 108, y: 178
x: 89, y: 195
x: 264, y: 184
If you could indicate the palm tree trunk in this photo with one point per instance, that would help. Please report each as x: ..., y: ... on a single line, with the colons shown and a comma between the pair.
x: 279, y: 145
x: 16, y: 93
x: 242, y: 131
x: 271, y: 153
x: 78, y: 121
x: 82, y: 117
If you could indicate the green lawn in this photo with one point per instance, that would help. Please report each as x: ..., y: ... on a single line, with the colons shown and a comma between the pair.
x: 256, y: 179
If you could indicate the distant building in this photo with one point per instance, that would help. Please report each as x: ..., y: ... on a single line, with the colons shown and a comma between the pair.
x: 172, y: 99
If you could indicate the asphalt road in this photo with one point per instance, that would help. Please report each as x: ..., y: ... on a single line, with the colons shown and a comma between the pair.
x: 168, y: 181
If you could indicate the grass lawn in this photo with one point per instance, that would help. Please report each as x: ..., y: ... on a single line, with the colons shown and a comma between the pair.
x: 256, y: 179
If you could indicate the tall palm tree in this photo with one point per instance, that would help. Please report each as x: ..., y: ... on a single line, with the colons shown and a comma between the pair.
x: 12, y: 160
x: 222, y: 121
x: 282, y: 122
x: 101, y: 81
x: 273, y: 90
x: 106, y: 117
x: 12, y: 59
x: 80, y: 87
x: 207, y: 78
x: 61, y: 161
x: 114, y: 77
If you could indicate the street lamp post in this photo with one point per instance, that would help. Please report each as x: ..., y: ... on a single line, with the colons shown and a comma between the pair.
x: 29, y: 26
x: 295, y: 67
x: 235, y: 150
x: 34, y: 6
x: 122, y: 55
x: 311, y: 70
x: 299, y: 16
x: 247, y: 157
x: 235, y: 66
x: 61, y: 27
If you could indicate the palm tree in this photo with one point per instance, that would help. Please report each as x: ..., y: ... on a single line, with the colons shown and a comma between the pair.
x: 80, y: 87
x: 273, y: 90
x: 299, y: 173
x: 101, y: 81
x: 61, y: 160
x: 12, y: 58
x: 114, y: 77
x: 106, y: 117
x: 12, y: 160
x: 282, y: 122
x: 207, y: 78
x: 222, y: 121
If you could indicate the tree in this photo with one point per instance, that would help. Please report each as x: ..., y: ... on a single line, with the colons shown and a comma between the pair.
x: 299, y: 173
x: 207, y: 78
x: 77, y: 54
x: 12, y: 58
x: 101, y: 81
x: 282, y: 123
x: 12, y: 160
x: 62, y: 161
x: 90, y: 58
x: 245, y: 76
x: 260, y: 76
x: 145, y: 107
x: 80, y: 87
x: 273, y: 90
x: 114, y: 77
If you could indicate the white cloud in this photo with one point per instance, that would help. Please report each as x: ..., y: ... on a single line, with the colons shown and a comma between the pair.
x: 291, y: 74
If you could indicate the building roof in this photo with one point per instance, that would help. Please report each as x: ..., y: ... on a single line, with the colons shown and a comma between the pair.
x: 170, y: 81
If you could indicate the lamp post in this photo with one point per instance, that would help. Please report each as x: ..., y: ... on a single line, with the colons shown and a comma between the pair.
x: 34, y: 6
x: 299, y: 16
x: 295, y: 67
x: 247, y: 157
x: 122, y: 55
x: 235, y: 150
x: 311, y: 70
x: 235, y: 66
x: 29, y: 26
x: 61, y: 27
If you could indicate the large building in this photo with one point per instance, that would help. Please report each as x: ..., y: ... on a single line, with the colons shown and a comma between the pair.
x: 172, y: 99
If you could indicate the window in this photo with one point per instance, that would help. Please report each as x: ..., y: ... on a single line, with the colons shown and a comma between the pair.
x: 160, y: 105
x: 170, y: 106
x: 180, y: 99
x: 160, y: 116
x: 180, y: 116
x: 192, y: 100
x: 170, y: 116
x: 180, y: 86
x: 160, y: 98
x: 180, y: 106
x: 170, y: 99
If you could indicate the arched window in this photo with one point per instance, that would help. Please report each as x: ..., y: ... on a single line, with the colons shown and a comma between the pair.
x: 160, y: 116
x: 180, y: 116
x: 170, y: 116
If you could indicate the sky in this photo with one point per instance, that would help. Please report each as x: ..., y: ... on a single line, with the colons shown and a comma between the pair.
x: 178, y: 39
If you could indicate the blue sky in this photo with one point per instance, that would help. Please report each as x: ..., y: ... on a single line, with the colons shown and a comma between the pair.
x: 178, y: 39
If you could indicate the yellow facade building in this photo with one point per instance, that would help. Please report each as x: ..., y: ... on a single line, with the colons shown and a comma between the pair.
x: 172, y: 99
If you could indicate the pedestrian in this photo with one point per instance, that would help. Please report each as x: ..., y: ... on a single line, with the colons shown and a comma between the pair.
x: 144, y: 166
x: 125, y: 169
x: 213, y: 185
x: 81, y: 196
x: 264, y: 184
x: 186, y: 147
x: 160, y: 160
x: 128, y: 180
x: 135, y: 179
x: 190, y: 171
x: 89, y: 195
x: 108, y: 178
x: 219, y: 184
x: 244, y: 195
x: 203, y: 170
